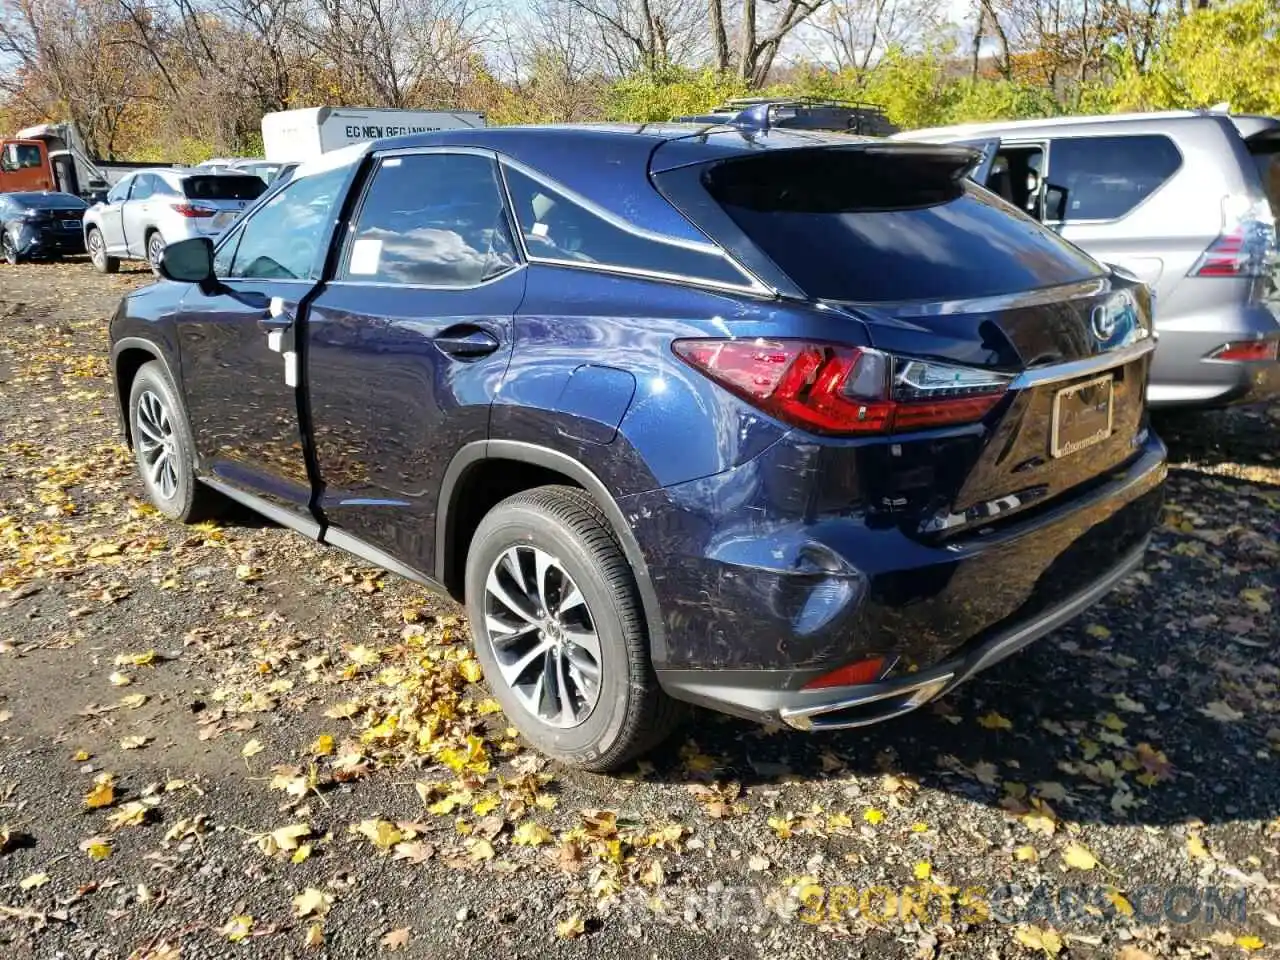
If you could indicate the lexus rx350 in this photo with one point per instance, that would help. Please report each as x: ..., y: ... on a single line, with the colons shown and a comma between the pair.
x: 802, y: 428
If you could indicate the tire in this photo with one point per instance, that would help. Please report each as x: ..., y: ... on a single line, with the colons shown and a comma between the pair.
x: 155, y: 250
x: 158, y: 426
x: 629, y: 714
x: 96, y: 247
x: 8, y: 250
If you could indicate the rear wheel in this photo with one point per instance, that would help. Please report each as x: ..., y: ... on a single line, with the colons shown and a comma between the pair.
x: 155, y: 250
x: 8, y: 249
x: 97, y: 248
x: 559, y: 631
x: 163, y: 448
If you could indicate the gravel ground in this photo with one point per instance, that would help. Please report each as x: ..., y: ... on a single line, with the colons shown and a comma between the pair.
x: 224, y: 741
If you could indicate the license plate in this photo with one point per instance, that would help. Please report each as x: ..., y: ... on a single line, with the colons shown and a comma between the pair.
x: 1082, y: 416
x: 70, y: 224
x: 223, y: 220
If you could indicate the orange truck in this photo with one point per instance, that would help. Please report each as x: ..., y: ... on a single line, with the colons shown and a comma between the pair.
x: 53, y: 156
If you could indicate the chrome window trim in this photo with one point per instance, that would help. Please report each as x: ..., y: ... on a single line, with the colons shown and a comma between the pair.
x: 752, y: 285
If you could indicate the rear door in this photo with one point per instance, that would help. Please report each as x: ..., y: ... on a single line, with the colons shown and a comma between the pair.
x: 407, y: 344
x: 136, y: 213
x: 111, y: 216
x: 238, y: 345
x: 1096, y: 193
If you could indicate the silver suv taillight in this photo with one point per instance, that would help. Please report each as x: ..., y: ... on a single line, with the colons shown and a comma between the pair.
x: 1247, y: 245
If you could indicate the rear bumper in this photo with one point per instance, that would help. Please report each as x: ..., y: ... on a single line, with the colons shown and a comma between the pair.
x: 1181, y: 374
x: 940, y: 613
x: 866, y: 704
x: 33, y: 241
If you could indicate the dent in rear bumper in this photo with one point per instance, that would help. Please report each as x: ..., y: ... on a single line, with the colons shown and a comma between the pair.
x: 766, y: 607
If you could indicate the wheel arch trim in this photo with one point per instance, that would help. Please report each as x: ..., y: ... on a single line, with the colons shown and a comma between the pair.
x: 122, y: 400
x: 478, y: 451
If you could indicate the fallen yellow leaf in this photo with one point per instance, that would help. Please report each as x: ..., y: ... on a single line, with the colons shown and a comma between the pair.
x: 312, y: 902
x: 993, y: 721
x: 570, y: 928
x: 1079, y: 857
x: 34, y: 881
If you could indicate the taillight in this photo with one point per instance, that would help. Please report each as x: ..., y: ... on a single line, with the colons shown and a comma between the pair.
x: 1246, y: 247
x: 191, y: 210
x: 1247, y: 350
x: 845, y: 390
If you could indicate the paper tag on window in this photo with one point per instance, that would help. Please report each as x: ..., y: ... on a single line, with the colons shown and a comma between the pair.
x: 365, y: 254
x: 540, y: 230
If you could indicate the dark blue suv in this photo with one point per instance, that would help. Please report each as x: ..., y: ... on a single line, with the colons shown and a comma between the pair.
x: 798, y: 427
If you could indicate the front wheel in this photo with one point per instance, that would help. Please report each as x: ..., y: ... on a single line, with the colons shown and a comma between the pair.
x: 97, y: 248
x: 163, y: 448
x: 560, y: 633
x: 9, y: 249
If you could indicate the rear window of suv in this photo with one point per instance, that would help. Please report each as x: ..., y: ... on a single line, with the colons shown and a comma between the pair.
x: 855, y: 225
x: 223, y: 187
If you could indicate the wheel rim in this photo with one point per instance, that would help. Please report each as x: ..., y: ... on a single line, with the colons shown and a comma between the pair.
x: 6, y: 246
x: 157, y: 445
x: 543, y: 636
x: 155, y: 250
x: 95, y: 248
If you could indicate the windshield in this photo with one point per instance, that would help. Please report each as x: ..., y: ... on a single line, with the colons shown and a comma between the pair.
x: 869, y: 226
x: 223, y: 187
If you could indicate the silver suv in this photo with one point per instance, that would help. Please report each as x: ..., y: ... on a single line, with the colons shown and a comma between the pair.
x: 151, y: 208
x: 1185, y: 201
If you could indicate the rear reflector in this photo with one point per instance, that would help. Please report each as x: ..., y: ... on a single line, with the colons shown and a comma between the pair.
x: 845, y: 390
x: 1247, y: 350
x: 850, y: 675
x: 191, y: 210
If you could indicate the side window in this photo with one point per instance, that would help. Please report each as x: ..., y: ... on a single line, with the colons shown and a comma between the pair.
x: 120, y: 192
x: 433, y: 219
x: 160, y: 188
x: 1015, y: 176
x: 558, y: 227
x: 142, y: 187
x: 281, y: 240
x: 1102, y: 178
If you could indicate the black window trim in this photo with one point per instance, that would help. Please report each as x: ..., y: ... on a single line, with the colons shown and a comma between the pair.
x: 752, y: 284
x: 1048, y: 170
x: 346, y: 229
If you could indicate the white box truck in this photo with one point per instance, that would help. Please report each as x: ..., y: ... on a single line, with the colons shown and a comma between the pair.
x: 295, y: 136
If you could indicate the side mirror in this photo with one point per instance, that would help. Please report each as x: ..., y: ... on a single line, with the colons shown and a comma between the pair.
x: 188, y: 261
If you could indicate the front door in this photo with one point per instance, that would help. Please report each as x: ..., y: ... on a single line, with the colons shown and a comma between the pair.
x: 136, y: 214
x: 407, y: 344
x: 239, y: 355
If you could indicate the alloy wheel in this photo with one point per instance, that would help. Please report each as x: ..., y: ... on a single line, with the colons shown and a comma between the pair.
x: 157, y: 444
x: 155, y: 250
x: 97, y: 252
x: 7, y: 249
x: 543, y: 637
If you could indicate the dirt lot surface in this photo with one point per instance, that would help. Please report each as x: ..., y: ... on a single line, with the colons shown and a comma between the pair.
x: 224, y: 741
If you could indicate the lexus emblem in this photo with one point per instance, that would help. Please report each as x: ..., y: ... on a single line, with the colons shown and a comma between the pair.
x: 1103, y: 322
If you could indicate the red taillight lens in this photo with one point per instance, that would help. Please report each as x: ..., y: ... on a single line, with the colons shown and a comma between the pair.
x: 191, y: 210
x: 1248, y: 350
x: 845, y: 390
x: 851, y: 674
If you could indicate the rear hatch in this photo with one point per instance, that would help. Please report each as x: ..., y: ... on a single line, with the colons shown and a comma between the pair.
x: 218, y: 199
x: 945, y: 278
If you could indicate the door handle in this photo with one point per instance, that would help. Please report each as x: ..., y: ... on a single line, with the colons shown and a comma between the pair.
x: 275, y: 317
x: 467, y: 342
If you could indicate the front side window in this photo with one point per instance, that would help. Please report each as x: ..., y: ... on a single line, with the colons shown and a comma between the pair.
x: 1102, y: 178
x: 120, y: 192
x: 22, y: 156
x: 561, y: 228
x: 281, y: 239
x: 431, y: 219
